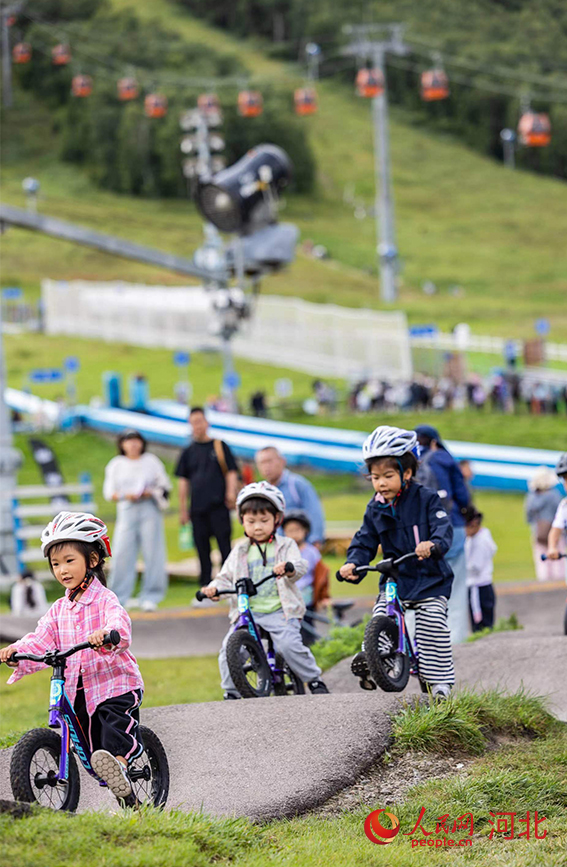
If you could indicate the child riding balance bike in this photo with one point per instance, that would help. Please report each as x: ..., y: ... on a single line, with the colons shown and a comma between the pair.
x: 404, y: 517
x: 278, y: 605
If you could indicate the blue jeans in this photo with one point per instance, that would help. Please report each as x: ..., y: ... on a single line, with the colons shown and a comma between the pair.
x: 139, y: 527
x: 459, y: 602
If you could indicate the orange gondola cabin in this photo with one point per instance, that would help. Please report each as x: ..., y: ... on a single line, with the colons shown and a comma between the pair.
x: 82, y: 85
x: 305, y: 99
x: 155, y: 105
x: 434, y: 85
x: 369, y: 83
x: 534, y: 130
x: 208, y: 103
x: 61, y: 55
x: 127, y: 89
x: 250, y: 103
x: 21, y: 53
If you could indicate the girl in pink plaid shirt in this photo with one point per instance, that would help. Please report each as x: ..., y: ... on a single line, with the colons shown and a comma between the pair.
x: 105, y: 685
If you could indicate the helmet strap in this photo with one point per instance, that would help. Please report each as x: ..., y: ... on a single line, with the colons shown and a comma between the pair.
x: 86, y: 582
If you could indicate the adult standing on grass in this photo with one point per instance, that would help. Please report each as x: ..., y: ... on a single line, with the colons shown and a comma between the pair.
x: 439, y: 471
x: 541, y: 506
x: 137, y: 482
x: 299, y: 493
x: 208, y: 481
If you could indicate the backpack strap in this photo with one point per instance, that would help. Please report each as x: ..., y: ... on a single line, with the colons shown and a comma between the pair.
x: 219, y: 452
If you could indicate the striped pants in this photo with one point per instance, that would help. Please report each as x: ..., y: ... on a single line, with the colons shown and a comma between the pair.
x: 432, y: 636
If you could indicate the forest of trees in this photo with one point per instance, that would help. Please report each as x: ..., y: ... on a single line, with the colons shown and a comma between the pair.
x: 121, y: 148
x: 523, y: 40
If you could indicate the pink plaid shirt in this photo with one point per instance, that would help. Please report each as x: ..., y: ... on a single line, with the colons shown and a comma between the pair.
x: 105, y: 673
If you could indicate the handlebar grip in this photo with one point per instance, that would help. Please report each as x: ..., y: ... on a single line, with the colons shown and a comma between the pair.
x: 338, y: 576
x: 113, y: 637
x: 350, y: 580
x: 289, y: 567
x: 561, y: 556
x: 199, y: 596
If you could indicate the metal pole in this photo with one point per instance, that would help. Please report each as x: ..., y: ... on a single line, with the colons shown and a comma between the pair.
x: 10, y: 460
x: 384, y: 204
x: 6, y: 61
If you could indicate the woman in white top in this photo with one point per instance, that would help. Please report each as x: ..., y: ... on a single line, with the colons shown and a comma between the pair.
x: 137, y: 481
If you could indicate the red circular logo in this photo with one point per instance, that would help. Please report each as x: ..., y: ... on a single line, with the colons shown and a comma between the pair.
x: 376, y: 832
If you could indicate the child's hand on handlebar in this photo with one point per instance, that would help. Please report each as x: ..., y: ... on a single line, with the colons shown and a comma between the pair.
x: 279, y: 569
x: 347, y: 571
x: 553, y: 554
x: 6, y: 653
x: 210, y: 590
x: 96, y: 637
x: 423, y: 550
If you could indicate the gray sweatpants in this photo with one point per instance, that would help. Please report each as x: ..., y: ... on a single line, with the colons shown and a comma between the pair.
x: 139, y: 527
x: 287, y: 640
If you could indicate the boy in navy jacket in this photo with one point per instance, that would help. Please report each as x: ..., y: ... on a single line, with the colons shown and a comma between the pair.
x: 404, y: 516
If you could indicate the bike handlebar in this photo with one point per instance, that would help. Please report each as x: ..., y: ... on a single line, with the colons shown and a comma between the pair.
x: 385, y: 567
x: 545, y: 557
x: 199, y: 595
x: 53, y: 656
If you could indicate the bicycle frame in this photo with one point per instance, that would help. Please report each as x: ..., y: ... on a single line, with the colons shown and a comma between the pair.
x: 62, y: 715
x: 395, y: 611
x: 244, y: 589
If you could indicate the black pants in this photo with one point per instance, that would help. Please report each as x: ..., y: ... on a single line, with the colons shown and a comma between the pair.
x: 487, y: 599
x: 215, y: 522
x: 114, y: 724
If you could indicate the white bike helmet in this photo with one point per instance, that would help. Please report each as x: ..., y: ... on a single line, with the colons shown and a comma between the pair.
x: 263, y: 490
x: 561, y: 465
x: 390, y: 442
x: 76, y: 527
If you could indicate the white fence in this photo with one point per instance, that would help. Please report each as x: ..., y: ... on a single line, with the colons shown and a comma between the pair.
x: 321, y: 339
x: 484, y: 343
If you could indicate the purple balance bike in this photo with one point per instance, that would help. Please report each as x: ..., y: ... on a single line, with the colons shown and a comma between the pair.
x: 256, y: 670
x: 390, y: 654
x: 43, y: 768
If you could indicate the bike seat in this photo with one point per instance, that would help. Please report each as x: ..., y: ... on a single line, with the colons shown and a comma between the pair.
x: 342, y: 605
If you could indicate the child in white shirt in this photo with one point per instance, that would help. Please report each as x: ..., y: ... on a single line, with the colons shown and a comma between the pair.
x: 480, y: 549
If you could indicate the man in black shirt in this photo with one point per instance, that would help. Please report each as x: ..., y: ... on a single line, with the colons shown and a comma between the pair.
x: 207, y: 475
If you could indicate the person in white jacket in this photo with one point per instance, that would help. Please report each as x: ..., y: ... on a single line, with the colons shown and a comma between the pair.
x: 137, y: 482
x: 480, y: 549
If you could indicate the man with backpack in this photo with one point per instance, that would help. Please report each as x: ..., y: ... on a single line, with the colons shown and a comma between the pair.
x: 439, y: 471
x: 208, y: 478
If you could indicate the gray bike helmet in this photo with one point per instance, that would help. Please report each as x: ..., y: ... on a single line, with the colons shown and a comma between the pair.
x: 561, y: 465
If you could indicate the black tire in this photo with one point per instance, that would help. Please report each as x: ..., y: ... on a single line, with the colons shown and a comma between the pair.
x: 149, y: 773
x: 292, y: 684
x: 35, y: 759
x: 248, y: 667
x: 565, y: 622
x: 391, y: 671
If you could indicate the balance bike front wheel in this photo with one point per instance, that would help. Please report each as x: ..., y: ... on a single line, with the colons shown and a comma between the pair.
x: 388, y: 667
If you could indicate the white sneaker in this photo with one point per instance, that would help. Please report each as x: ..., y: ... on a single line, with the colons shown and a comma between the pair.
x: 112, y: 772
x: 134, y: 602
x: 146, y: 605
x: 441, y: 691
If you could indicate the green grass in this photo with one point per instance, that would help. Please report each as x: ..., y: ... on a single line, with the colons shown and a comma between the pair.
x: 341, y: 642
x: 503, y: 624
x: 526, y: 774
x: 462, y: 218
x: 177, y: 680
x: 463, y: 721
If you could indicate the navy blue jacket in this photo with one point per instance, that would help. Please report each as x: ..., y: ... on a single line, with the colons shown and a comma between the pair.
x: 419, y: 516
x: 449, y: 479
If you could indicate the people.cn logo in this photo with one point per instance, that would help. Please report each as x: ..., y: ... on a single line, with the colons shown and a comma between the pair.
x: 376, y: 832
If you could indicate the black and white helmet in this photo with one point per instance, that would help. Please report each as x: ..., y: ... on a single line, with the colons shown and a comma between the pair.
x: 561, y: 465
x: 76, y: 527
x: 390, y: 442
x: 263, y: 490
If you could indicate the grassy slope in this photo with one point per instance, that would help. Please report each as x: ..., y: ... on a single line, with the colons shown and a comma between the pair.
x: 461, y: 218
